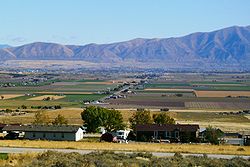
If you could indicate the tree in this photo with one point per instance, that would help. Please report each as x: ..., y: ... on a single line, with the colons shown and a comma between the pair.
x: 95, y: 117
x: 24, y: 106
x: 91, y: 118
x: 41, y: 118
x: 140, y: 117
x: 163, y: 118
x: 212, y: 134
x: 112, y: 120
x: 60, y: 120
x: 2, y: 97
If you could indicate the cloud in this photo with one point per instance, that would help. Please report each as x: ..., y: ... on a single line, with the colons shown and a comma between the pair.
x: 18, y: 39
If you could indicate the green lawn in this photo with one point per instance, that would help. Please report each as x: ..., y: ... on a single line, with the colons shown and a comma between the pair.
x: 3, y: 156
x: 80, y: 98
x: 14, y: 104
x: 166, y: 85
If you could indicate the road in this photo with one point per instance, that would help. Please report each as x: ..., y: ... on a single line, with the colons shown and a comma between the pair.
x: 157, y: 154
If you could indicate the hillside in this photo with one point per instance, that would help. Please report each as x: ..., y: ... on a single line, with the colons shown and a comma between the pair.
x: 226, y: 47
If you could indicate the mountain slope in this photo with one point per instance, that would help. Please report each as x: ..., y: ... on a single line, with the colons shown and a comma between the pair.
x: 222, y: 47
x: 4, y: 46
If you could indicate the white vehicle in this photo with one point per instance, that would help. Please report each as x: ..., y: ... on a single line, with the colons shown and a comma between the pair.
x: 122, y: 134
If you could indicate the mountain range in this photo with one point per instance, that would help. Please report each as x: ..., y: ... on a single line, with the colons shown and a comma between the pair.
x: 4, y: 46
x: 225, y: 47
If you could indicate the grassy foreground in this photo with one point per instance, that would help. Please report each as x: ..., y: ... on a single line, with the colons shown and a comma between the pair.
x: 147, y: 147
x: 111, y: 159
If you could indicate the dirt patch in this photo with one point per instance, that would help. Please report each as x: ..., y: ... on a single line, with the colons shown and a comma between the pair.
x: 10, y: 96
x: 52, y: 97
x: 221, y: 93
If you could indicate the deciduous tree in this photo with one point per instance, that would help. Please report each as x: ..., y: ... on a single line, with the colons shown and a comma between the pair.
x: 60, y: 120
x: 163, y: 118
x: 140, y: 117
x: 41, y: 118
x: 95, y: 117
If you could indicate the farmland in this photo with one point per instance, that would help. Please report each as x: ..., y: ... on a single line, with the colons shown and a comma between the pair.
x: 191, y: 98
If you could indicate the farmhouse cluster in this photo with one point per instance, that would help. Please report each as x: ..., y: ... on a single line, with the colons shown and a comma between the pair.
x: 166, y: 133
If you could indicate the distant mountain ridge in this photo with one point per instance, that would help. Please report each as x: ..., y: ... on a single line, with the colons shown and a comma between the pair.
x: 4, y: 46
x: 229, y: 46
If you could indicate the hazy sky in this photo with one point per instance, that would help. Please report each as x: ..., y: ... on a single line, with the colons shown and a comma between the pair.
x: 106, y: 21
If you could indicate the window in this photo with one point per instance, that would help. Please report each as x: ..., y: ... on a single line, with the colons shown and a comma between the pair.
x: 176, y: 134
x: 34, y: 134
x: 44, y: 134
x: 167, y: 134
x: 54, y: 135
x: 62, y: 135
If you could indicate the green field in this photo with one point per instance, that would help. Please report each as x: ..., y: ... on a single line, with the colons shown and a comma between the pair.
x: 200, y: 85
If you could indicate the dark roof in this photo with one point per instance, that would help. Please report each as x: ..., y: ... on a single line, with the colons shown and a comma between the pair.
x: 2, y: 125
x: 168, y: 127
x: 42, y: 128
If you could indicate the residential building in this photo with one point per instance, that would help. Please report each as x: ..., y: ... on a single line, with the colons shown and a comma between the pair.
x: 48, y: 132
x: 169, y: 132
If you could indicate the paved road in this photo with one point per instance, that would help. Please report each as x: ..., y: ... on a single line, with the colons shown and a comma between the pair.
x: 158, y: 154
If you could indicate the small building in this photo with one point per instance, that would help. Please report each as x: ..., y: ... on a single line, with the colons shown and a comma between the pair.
x: 169, y: 132
x: 234, y: 141
x: 48, y: 132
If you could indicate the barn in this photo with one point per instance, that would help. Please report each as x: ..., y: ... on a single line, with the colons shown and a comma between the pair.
x: 48, y: 132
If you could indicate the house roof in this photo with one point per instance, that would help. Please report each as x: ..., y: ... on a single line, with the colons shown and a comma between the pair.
x: 2, y: 125
x: 42, y: 128
x: 168, y: 127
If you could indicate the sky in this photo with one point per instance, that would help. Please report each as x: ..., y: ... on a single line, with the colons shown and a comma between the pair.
x: 105, y: 21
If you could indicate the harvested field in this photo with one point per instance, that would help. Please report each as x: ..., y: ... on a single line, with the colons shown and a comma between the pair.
x: 148, y: 102
x: 169, y: 90
x: 10, y: 96
x: 217, y: 105
x: 71, y: 93
x: 146, y: 147
x: 54, y: 97
x: 98, y: 83
x: 221, y: 93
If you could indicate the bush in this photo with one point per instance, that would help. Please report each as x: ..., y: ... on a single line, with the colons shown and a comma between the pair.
x: 111, y: 159
x: 240, y: 149
x: 3, y: 156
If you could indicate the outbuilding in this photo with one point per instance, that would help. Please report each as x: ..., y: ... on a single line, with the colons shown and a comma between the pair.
x: 48, y: 132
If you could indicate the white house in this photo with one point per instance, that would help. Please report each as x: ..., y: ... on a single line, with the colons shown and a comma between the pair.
x: 50, y: 132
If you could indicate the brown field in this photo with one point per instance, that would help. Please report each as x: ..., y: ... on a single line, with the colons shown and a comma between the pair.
x: 148, y: 147
x: 45, y: 96
x: 69, y: 93
x: 10, y: 96
x: 221, y: 93
x: 224, y: 126
x: 98, y: 83
x: 147, y: 102
x: 73, y: 115
x: 217, y: 105
x: 169, y: 90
